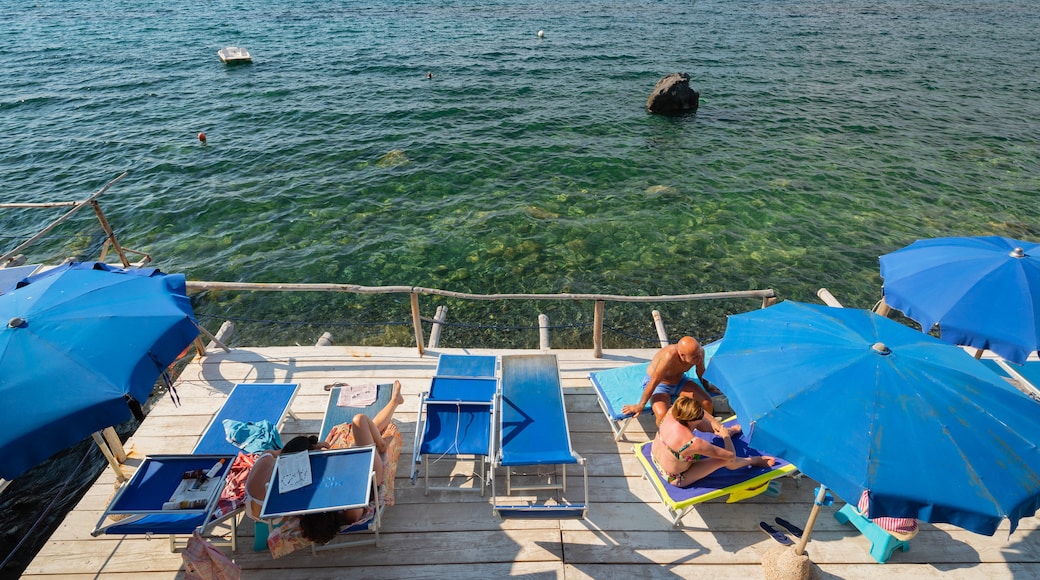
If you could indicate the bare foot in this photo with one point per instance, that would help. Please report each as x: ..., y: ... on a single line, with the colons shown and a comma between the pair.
x: 396, y: 395
x: 763, y: 461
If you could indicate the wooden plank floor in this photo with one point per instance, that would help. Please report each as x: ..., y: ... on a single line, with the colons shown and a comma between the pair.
x: 455, y: 535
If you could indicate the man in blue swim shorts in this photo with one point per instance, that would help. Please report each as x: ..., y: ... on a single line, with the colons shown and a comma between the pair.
x: 666, y: 378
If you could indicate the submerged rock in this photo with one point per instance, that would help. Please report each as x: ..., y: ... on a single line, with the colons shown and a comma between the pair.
x: 673, y: 96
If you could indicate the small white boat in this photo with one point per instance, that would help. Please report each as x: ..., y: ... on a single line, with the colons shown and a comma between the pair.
x: 234, y: 55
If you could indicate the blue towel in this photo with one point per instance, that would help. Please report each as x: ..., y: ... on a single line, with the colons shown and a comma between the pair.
x: 252, y: 437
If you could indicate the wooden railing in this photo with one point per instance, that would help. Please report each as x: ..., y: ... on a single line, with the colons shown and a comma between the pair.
x: 599, y: 301
x: 110, y: 235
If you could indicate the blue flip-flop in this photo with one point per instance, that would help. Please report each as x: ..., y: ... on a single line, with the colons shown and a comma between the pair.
x: 775, y: 534
x: 795, y: 530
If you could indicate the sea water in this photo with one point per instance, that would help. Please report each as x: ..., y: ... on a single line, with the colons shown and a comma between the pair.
x: 829, y: 133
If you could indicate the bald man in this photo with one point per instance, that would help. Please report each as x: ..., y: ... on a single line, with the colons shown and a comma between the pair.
x: 666, y: 378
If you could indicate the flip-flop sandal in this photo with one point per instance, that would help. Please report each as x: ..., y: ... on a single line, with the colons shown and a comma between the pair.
x: 775, y: 534
x: 795, y: 530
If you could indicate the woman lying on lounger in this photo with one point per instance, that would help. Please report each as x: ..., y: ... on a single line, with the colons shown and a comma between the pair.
x: 362, y: 431
x: 321, y: 528
x: 683, y: 458
x: 260, y: 474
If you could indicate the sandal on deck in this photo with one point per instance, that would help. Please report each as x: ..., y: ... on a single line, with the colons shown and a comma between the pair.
x: 795, y: 530
x: 775, y: 534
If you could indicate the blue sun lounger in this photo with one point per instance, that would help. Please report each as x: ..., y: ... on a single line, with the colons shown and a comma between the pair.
x: 622, y: 386
x: 335, y: 414
x: 1027, y: 374
x: 456, y: 417
x: 533, y: 432
x: 142, y: 498
x: 341, y: 479
x: 737, y: 484
x: 247, y: 402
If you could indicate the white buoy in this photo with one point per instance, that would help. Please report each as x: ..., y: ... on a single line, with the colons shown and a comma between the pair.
x: 541, y: 34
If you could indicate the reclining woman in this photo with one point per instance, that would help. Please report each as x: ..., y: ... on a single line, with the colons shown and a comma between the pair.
x: 321, y: 528
x: 683, y: 458
x: 361, y: 431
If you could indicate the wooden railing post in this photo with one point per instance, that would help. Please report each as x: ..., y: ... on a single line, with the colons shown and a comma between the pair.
x: 662, y: 336
x: 435, y: 332
x: 543, y: 332
x: 417, y: 322
x: 597, y: 329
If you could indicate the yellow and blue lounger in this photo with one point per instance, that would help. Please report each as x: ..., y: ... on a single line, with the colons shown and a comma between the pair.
x: 456, y: 417
x: 737, y: 484
x: 622, y: 386
x: 533, y: 431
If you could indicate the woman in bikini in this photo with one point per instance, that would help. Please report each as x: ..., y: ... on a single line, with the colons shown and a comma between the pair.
x: 685, y: 458
x: 363, y: 431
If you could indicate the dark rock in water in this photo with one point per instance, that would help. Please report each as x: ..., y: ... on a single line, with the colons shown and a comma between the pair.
x: 673, y: 96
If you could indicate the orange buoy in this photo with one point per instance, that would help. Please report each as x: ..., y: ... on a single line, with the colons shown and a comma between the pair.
x: 202, y: 136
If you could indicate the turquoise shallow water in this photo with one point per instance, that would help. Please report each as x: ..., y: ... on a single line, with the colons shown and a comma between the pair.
x: 828, y: 134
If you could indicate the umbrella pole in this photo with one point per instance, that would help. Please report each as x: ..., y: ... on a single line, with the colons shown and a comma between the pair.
x: 821, y: 493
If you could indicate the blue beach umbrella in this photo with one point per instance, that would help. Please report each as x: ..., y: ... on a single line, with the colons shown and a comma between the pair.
x: 983, y: 292
x: 78, y: 344
x: 860, y: 402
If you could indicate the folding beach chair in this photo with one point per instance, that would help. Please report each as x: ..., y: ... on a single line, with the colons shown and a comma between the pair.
x: 737, y: 484
x: 622, y: 386
x: 337, y: 413
x: 341, y: 479
x: 154, y: 483
x: 533, y: 432
x: 456, y: 417
x: 1025, y: 376
x: 247, y: 402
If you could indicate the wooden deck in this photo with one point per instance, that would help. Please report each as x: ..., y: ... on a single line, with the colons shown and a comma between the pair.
x: 455, y: 535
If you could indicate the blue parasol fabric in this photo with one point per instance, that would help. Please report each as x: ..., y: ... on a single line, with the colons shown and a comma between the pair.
x: 77, y: 341
x: 860, y: 402
x: 983, y: 292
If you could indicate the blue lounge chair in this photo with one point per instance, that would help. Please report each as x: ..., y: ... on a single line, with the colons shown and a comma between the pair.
x: 341, y: 479
x: 533, y: 431
x: 141, y: 499
x: 735, y: 485
x: 456, y: 417
x: 247, y: 402
x: 622, y: 386
x: 335, y: 414
x: 1026, y: 375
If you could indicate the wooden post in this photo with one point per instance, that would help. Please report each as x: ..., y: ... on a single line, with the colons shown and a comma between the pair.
x: 213, y: 339
x: 435, y: 332
x: 114, y: 443
x: 108, y: 455
x: 543, y: 332
x: 597, y: 329
x: 662, y: 336
x: 828, y: 298
x: 417, y: 322
x: 111, y: 234
x: 883, y: 308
